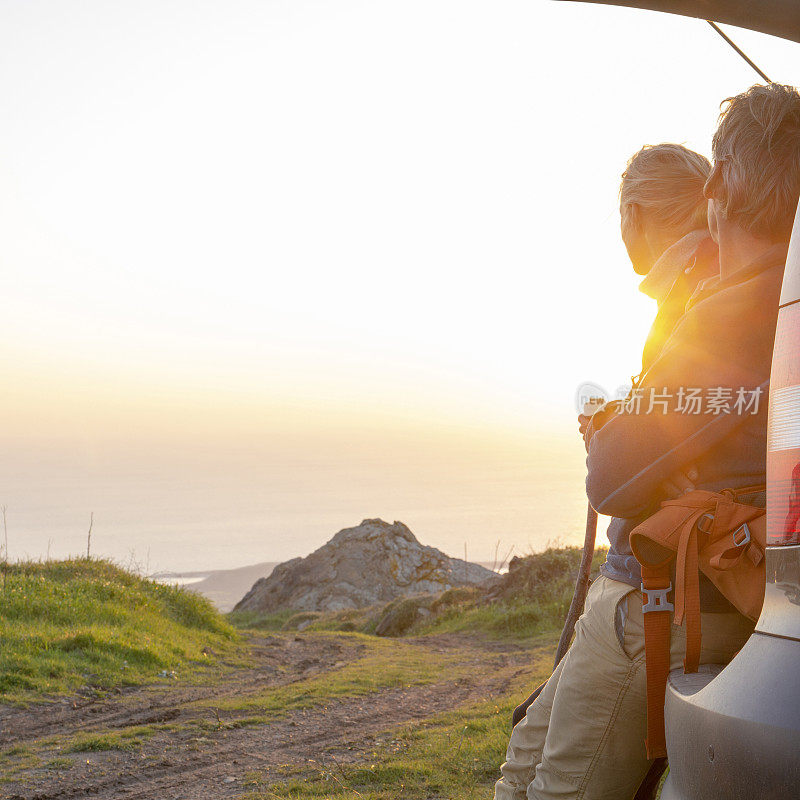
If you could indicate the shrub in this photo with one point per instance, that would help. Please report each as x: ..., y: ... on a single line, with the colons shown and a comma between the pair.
x: 401, y: 615
x: 303, y: 618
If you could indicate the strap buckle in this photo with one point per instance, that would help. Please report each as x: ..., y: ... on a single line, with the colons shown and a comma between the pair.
x: 657, y: 599
x: 741, y: 536
x: 705, y: 523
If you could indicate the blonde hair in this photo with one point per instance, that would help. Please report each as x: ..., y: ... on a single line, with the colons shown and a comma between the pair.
x: 756, y: 175
x: 665, y: 182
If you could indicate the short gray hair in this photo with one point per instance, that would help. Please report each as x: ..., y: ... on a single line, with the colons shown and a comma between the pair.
x: 756, y: 174
x: 665, y: 181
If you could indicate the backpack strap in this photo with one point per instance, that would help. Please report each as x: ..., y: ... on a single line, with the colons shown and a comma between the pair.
x: 746, y: 490
x: 725, y: 554
x: 687, y: 592
x: 657, y: 609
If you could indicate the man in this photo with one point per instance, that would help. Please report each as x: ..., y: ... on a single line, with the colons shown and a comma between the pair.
x: 584, y: 735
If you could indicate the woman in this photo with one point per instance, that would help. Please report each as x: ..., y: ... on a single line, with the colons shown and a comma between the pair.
x: 665, y: 230
x: 663, y: 221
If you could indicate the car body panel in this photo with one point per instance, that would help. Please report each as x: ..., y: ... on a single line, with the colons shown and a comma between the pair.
x: 737, y: 734
x: 781, y: 613
x: 790, y: 292
x: 783, y: 440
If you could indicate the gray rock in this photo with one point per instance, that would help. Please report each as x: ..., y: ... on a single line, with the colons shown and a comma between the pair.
x: 375, y: 562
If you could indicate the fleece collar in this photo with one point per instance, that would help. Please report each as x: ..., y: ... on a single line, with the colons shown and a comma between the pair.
x: 673, y: 261
x: 770, y: 259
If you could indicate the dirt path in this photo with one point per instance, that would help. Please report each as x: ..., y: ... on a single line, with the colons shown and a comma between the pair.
x: 189, y: 761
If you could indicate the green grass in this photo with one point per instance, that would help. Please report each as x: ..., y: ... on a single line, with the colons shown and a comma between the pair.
x: 59, y: 763
x: 127, y: 739
x: 15, y: 760
x: 532, y: 600
x: 85, y: 622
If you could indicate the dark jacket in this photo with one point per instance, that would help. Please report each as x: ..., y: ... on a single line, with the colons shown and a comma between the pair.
x: 723, y: 343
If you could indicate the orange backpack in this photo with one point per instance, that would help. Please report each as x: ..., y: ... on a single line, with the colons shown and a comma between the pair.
x: 708, y: 532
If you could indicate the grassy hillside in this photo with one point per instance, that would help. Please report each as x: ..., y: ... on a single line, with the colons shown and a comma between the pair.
x: 76, y: 623
x: 421, y: 710
x: 87, y: 623
x: 531, y: 599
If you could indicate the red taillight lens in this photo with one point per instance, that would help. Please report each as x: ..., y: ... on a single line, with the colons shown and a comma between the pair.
x: 783, y: 443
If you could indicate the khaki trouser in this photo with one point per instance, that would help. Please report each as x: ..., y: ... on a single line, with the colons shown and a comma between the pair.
x: 583, y: 737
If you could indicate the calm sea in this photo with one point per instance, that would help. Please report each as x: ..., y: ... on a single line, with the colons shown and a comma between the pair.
x: 217, y: 507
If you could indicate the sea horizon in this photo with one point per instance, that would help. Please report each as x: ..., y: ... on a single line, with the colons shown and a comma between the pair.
x: 176, y: 512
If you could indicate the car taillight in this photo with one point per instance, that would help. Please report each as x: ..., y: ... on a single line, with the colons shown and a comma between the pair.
x: 783, y: 443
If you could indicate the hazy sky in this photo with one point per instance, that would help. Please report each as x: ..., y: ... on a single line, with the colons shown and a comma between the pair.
x: 221, y: 220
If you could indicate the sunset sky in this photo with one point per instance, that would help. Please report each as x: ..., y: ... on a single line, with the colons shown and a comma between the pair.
x: 304, y: 257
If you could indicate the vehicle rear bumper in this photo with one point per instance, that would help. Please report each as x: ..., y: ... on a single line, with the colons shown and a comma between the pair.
x: 737, y: 733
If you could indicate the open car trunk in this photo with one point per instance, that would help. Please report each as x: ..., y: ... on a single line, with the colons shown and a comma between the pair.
x: 735, y: 732
x: 776, y: 17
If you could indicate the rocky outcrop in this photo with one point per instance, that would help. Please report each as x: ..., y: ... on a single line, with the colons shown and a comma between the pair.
x: 375, y: 562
